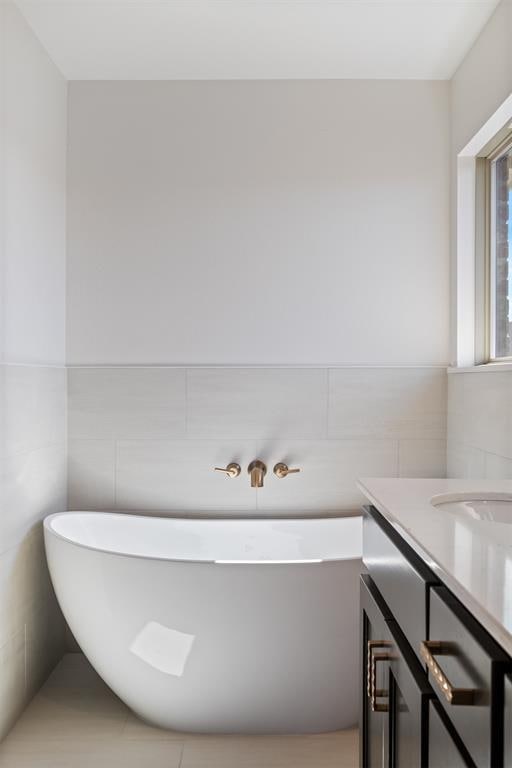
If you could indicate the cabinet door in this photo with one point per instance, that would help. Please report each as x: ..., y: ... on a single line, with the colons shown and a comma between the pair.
x: 409, y: 697
x: 507, y: 762
x: 396, y: 691
x: 375, y: 647
x: 444, y: 746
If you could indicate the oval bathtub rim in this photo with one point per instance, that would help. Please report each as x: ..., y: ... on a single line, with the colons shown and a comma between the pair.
x: 194, y: 561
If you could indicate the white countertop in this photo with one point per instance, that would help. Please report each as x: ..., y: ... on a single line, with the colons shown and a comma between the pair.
x: 471, y: 557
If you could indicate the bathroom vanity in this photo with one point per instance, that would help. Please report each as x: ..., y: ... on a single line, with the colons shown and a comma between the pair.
x: 436, y: 625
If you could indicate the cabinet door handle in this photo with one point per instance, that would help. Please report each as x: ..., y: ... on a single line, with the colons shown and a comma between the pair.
x: 429, y: 649
x: 373, y: 692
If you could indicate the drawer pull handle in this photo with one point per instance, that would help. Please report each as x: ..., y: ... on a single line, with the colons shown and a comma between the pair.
x: 373, y: 692
x: 429, y: 649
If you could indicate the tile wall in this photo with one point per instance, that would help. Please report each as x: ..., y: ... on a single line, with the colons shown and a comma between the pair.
x: 32, y: 353
x: 32, y: 485
x: 480, y: 425
x: 149, y: 437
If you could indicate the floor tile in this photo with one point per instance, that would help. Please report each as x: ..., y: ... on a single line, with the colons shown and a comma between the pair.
x: 338, y: 750
x: 87, y: 754
x: 136, y: 730
x: 75, y: 721
x: 71, y: 714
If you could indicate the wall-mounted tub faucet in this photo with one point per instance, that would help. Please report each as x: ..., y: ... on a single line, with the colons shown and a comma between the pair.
x: 257, y: 471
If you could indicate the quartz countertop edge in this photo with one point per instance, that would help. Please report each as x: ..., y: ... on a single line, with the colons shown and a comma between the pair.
x: 472, y: 558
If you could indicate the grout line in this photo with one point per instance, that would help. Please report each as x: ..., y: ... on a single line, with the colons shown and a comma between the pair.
x: 55, y: 366
x: 115, y: 475
x: 25, y: 660
x: 23, y: 453
x: 187, y: 436
x: 229, y: 440
x: 182, y: 754
x: 66, y: 438
x: 257, y: 366
x: 328, y: 404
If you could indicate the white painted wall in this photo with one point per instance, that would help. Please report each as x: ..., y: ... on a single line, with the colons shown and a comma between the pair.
x: 255, y: 224
x: 258, y: 222
x: 32, y: 373
x: 479, y: 404
x: 484, y: 78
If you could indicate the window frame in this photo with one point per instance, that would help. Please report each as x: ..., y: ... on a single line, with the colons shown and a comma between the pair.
x: 502, y: 147
x: 467, y: 264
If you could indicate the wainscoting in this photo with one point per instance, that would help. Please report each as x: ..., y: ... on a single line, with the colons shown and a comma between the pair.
x: 480, y: 424
x: 32, y: 484
x: 149, y: 437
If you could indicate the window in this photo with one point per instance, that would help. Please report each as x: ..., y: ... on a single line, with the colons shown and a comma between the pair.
x: 500, y: 251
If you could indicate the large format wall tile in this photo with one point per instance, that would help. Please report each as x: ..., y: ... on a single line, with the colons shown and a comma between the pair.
x: 24, y: 583
x: 390, y: 422
x: 251, y: 403
x: 33, y: 485
x: 45, y: 639
x: 422, y: 458
x: 127, y: 403
x: 498, y: 467
x: 480, y: 424
x: 33, y: 389
x: 91, y: 474
x: 464, y: 461
x: 33, y: 408
x: 387, y: 402
x: 13, y: 696
x: 329, y: 470
x: 480, y: 411
x: 180, y: 475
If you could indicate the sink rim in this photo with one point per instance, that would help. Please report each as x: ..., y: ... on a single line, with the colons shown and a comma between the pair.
x: 453, y: 498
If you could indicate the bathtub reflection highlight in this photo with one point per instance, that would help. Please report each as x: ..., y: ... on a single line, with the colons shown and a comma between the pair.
x: 164, y: 649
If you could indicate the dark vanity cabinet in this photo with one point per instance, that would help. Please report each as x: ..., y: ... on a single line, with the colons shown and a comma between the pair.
x: 445, y: 750
x: 435, y: 690
x: 507, y: 721
x: 376, y: 645
x: 395, y: 704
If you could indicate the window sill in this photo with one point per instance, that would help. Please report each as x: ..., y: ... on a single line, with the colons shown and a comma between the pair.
x: 483, y: 368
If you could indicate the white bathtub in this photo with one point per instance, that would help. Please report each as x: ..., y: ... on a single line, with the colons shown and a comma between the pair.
x: 215, y: 625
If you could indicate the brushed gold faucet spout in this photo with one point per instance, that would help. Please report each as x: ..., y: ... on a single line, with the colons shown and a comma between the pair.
x: 257, y: 471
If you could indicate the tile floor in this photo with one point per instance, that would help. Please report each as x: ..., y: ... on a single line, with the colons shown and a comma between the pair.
x: 75, y: 721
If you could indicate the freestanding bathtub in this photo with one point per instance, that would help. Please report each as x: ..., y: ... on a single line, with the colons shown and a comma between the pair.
x: 215, y: 625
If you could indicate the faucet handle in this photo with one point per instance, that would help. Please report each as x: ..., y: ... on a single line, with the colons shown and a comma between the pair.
x: 232, y: 470
x: 282, y: 470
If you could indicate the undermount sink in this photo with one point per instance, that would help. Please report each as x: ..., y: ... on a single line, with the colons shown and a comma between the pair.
x: 488, y: 507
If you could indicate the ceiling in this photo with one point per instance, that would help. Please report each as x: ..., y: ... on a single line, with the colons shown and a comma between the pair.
x: 256, y: 39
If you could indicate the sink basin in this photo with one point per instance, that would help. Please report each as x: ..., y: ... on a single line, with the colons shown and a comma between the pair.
x: 488, y: 507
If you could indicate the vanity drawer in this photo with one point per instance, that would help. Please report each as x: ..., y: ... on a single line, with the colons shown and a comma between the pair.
x: 400, y: 576
x: 466, y: 669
